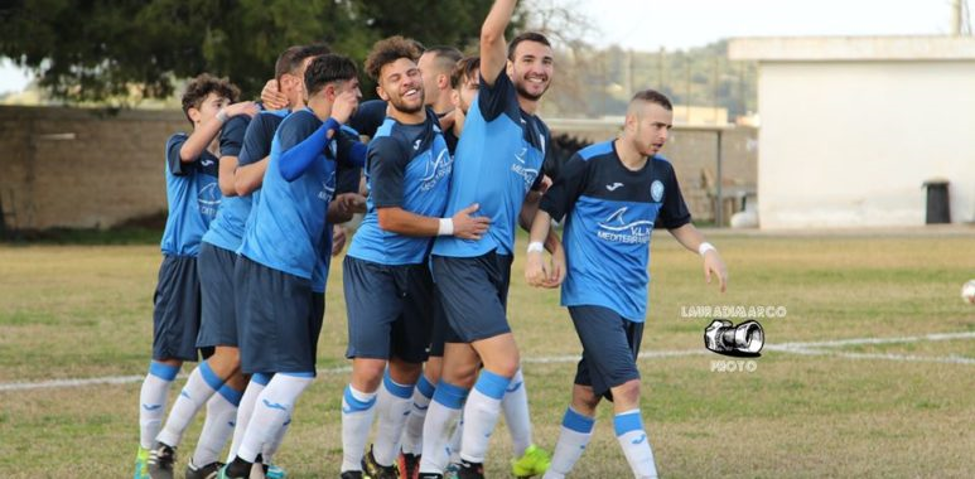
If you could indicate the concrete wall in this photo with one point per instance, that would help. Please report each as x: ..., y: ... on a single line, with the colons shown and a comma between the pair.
x: 82, y: 168
x: 849, y: 143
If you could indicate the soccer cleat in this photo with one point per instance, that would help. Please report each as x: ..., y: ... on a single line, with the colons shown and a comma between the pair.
x: 237, y: 469
x: 373, y: 470
x: 274, y: 472
x: 209, y: 471
x: 141, y: 464
x: 470, y: 470
x: 161, y: 459
x: 533, y: 462
x: 451, y: 472
x: 409, y: 465
x: 351, y: 475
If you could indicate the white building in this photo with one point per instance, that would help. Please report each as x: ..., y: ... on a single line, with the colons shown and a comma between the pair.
x: 852, y: 126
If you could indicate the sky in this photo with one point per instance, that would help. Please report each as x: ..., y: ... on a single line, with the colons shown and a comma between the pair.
x: 677, y: 24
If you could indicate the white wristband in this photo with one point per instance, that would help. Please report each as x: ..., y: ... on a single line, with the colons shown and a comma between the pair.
x: 446, y: 227
x: 536, y: 247
x: 705, y: 247
x: 222, y: 115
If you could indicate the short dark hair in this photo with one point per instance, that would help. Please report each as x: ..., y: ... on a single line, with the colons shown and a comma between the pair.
x: 202, y: 86
x: 465, y: 69
x: 526, y: 37
x: 389, y: 50
x: 445, y: 57
x: 330, y: 68
x: 290, y: 60
x: 653, y: 96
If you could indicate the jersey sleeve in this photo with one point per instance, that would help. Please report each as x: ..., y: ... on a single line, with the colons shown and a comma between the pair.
x: 673, y: 213
x: 349, y: 150
x: 175, y: 143
x: 257, y: 141
x: 369, y: 117
x: 493, y: 100
x: 558, y: 200
x: 232, y: 135
x: 291, y: 134
x: 387, y: 168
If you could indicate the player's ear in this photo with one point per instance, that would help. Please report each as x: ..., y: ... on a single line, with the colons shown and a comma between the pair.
x: 455, y: 98
x: 443, y: 81
x: 194, y: 114
x: 510, y: 68
x: 382, y: 93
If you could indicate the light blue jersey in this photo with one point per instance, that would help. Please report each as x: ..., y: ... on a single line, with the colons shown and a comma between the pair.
x: 193, y: 197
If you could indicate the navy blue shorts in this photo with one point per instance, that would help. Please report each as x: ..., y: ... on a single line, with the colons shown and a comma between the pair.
x: 218, y: 323
x: 176, y: 309
x: 610, y: 344
x: 276, y: 322
x: 390, y: 310
x: 474, y: 295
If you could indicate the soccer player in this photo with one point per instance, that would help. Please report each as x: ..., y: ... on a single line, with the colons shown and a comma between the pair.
x: 193, y: 196
x: 613, y: 195
x: 285, y: 253
x: 498, y: 162
x: 437, y: 63
x: 388, y: 288
x: 289, y: 73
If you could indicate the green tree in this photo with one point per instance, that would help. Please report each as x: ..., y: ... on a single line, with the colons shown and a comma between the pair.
x: 93, y: 50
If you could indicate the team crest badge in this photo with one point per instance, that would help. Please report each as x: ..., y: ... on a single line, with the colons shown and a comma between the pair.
x: 656, y: 191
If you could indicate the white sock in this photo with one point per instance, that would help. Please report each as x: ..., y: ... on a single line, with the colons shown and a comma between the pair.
x: 453, y: 447
x: 413, y: 434
x: 245, y: 410
x: 445, y: 409
x: 635, y: 443
x: 481, y: 415
x: 573, y: 439
x: 274, y: 406
x: 358, y: 409
x: 199, y: 388
x: 219, y: 425
x: 393, y: 407
x: 271, y: 448
x: 516, y: 417
x: 152, y: 401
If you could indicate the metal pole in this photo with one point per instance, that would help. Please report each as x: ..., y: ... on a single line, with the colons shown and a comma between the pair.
x: 719, y: 209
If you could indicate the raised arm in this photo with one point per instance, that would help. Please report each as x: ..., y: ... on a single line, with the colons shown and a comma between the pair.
x: 494, y: 54
x: 201, y: 137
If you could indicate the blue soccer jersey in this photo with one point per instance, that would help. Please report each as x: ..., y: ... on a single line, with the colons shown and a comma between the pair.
x: 289, y: 231
x: 256, y: 147
x: 227, y: 229
x: 611, y: 214
x: 193, y: 197
x: 408, y: 167
x: 499, y: 158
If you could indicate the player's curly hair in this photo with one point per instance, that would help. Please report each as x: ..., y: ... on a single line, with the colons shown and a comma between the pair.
x: 200, y: 87
x: 389, y: 50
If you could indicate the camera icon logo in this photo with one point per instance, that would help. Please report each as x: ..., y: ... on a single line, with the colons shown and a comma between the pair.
x: 744, y: 340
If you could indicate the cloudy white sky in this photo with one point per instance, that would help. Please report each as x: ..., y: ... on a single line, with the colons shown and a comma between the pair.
x: 650, y: 24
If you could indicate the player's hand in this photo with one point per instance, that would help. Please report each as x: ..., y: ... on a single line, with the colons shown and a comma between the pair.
x: 339, y: 239
x: 347, y: 203
x: 714, y: 265
x: 272, y: 98
x: 345, y: 104
x: 546, y: 184
x: 556, y: 271
x: 248, y: 108
x: 447, y: 121
x: 469, y: 227
x: 535, y: 269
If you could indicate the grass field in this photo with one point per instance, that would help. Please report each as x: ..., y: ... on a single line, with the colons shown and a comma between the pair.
x: 866, y: 409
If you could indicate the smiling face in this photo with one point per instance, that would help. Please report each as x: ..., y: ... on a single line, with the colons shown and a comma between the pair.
x: 531, y: 69
x: 648, y: 126
x: 401, y: 84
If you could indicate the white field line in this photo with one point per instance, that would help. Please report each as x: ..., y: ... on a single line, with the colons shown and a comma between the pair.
x: 801, y: 348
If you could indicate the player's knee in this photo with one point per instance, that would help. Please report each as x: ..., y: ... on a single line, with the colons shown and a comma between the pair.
x: 585, y: 401
x: 628, y: 392
x: 367, y: 375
